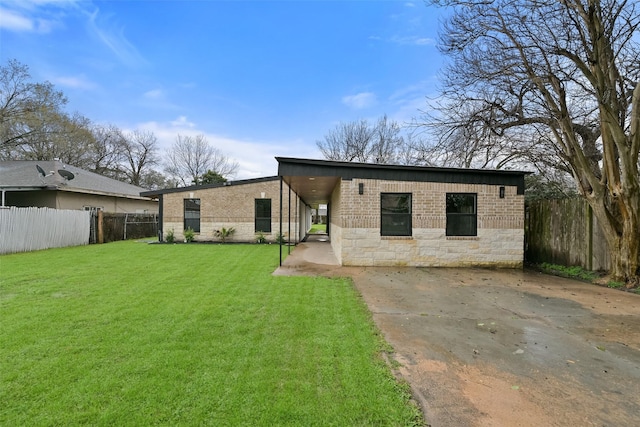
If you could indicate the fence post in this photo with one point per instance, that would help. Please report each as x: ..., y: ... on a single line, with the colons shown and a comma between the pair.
x: 126, y: 216
x: 100, y: 228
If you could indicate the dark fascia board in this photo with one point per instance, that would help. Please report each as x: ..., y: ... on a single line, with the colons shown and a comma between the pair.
x: 153, y: 193
x: 288, y: 166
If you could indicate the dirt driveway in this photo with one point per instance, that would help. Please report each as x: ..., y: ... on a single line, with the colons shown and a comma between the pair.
x: 501, y: 347
x: 509, y: 348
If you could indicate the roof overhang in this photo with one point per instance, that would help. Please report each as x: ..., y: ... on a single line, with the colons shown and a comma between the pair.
x: 314, y: 180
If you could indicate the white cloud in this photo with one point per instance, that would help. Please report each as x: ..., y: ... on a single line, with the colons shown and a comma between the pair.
x: 75, y: 82
x: 39, y: 16
x: 154, y: 94
x: 114, y: 39
x: 182, y: 122
x: 360, y: 101
x: 413, y: 40
x: 12, y: 21
x: 255, y: 158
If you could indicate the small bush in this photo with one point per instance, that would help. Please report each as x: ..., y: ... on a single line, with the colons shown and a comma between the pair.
x: 171, y: 237
x: 189, y: 235
x: 260, y: 238
x: 615, y: 285
x: 225, y: 233
x: 574, y: 272
x: 280, y: 239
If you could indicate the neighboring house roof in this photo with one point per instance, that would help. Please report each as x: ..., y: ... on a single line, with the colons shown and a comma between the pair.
x: 205, y: 186
x: 23, y: 175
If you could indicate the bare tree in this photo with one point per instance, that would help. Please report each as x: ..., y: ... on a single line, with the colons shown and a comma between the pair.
x: 192, y: 157
x: 555, y: 82
x: 360, y: 141
x: 348, y: 142
x: 140, y: 152
x: 106, y: 152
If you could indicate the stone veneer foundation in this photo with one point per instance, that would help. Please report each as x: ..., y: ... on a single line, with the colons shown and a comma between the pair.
x: 355, y: 226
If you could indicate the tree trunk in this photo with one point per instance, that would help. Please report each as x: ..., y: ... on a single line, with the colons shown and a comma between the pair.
x: 622, y: 238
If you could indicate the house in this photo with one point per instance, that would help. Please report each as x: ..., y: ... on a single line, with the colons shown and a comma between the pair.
x: 377, y: 215
x: 388, y: 215
x: 251, y: 207
x: 52, y: 184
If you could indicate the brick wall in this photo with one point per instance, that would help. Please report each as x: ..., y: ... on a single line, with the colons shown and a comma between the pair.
x: 499, y: 243
x: 230, y: 206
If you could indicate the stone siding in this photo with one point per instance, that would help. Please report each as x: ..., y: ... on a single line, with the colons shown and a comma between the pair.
x: 499, y: 243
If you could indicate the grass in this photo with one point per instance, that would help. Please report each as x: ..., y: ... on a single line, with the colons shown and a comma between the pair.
x: 133, y: 334
x: 318, y: 228
x: 578, y: 273
x: 574, y: 272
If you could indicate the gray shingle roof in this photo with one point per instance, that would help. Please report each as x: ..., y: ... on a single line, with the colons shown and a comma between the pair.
x: 23, y: 174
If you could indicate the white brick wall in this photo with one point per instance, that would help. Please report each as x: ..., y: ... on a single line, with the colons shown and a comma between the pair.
x: 431, y: 248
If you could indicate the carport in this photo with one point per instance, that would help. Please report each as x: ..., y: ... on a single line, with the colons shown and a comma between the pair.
x: 398, y: 215
x: 312, y: 184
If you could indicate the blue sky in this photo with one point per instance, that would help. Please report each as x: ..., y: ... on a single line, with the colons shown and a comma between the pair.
x: 258, y: 78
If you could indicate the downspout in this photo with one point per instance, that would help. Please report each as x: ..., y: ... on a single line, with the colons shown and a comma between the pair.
x: 3, y: 191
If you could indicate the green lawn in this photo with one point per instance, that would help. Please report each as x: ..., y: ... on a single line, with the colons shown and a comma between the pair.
x: 134, y: 334
x: 318, y: 228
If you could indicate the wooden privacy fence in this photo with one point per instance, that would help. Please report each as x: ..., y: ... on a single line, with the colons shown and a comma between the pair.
x: 565, y: 232
x: 110, y: 227
x: 30, y: 229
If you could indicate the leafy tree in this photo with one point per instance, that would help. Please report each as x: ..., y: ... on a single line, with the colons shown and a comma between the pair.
x: 33, y: 124
x: 211, y: 177
x: 554, y: 82
x: 191, y: 157
x: 154, y: 180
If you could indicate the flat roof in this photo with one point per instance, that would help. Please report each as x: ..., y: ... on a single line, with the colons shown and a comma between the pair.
x: 313, y: 180
x: 205, y: 186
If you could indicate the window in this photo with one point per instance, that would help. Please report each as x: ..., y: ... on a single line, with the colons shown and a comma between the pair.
x: 395, y: 214
x: 263, y: 215
x: 462, y: 219
x: 192, y: 214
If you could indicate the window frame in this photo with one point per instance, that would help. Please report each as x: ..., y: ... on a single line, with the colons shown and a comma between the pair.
x: 455, y: 226
x: 261, y: 221
x: 191, y: 221
x: 386, y: 216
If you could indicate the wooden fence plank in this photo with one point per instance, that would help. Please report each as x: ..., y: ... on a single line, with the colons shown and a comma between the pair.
x: 565, y: 232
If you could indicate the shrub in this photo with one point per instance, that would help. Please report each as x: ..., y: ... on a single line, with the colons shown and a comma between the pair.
x: 225, y: 233
x: 260, y: 238
x: 171, y: 238
x: 189, y: 235
x: 280, y: 239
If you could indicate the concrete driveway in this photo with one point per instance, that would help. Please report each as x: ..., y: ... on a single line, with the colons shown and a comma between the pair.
x: 503, y: 347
